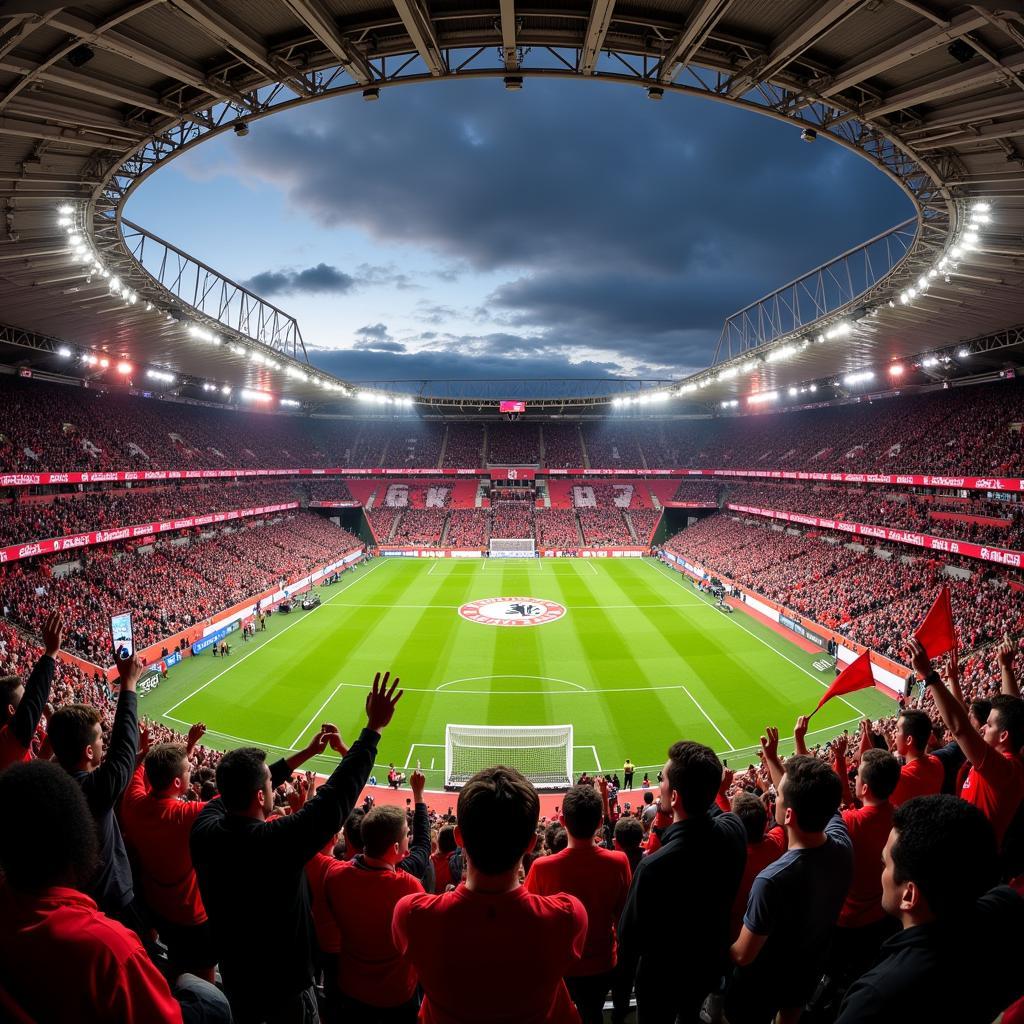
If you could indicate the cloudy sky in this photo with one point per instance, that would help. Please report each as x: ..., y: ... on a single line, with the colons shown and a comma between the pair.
x: 575, y: 229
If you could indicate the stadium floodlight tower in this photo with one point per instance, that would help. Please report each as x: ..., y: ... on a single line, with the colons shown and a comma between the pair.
x: 543, y: 753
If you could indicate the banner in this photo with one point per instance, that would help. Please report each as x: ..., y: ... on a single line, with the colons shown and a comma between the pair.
x: 215, y: 637
x: 996, y: 485
x: 801, y: 630
x: 513, y: 473
x: 83, y: 540
x: 1001, y: 556
x: 335, y: 504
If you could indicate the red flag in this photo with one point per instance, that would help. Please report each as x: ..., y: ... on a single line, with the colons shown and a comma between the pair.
x: 936, y: 634
x: 856, y: 676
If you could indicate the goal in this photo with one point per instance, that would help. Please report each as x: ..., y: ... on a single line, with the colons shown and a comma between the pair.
x: 543, y: 753
x: 515, y: 547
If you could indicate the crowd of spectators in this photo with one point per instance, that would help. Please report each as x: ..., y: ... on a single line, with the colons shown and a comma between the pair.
x: 464, y: 446
x: 172, y: 586
x: 697, y: 490
x: 326, y: 489
x: 557, y: 527
x: 613, y: 445
x: 644, y: 520
x: 905, y: 511
x: 604, y: 526
x: 511, y: 519
x: 468, y: 528
x: 872, y: 596
x: 842, y: 881
x: 513, y: 444
x: 30, y: 519
x: 420, y: 526
x: 562, y: 447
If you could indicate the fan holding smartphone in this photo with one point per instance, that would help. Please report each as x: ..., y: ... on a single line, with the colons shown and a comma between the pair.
x: 122, y: 635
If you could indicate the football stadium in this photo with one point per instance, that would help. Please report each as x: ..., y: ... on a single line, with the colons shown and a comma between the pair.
x: 541, y: 548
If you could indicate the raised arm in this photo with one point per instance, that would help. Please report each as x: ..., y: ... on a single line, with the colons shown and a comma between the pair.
x: 37, y: 689
x: 952, y: 711
x: 1007, y: 680
x: 416, y: 862
x: 106, y: 784
x: 839, y: 745
x: 305, y: 832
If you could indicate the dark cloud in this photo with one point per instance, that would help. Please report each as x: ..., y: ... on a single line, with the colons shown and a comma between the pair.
x: 312, y: 280
x: 377, y: 331
x: 371, y: 275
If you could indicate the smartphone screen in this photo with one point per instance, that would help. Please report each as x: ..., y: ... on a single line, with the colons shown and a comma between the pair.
x: 121, y: 634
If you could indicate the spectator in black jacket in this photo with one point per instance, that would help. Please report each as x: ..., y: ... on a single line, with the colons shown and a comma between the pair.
x: 693, y: 877
x: 76, y: 735
x: 937, y: 870
x: 251, y: 869
x: 21, y: 705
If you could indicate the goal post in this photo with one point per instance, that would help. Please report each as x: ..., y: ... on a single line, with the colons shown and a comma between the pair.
x: 543, y: 753
x: 513, y: 547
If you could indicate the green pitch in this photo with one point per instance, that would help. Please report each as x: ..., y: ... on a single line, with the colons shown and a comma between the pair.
x: 638, y: 660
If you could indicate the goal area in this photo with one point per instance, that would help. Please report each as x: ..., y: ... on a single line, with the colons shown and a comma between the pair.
x: 543, y: 753
x: 513, y: 547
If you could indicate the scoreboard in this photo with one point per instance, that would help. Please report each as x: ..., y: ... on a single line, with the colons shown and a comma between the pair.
x: 512, y: 407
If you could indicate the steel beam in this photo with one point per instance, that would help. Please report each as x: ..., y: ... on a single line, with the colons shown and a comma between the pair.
x: 509, y: 49
x: 685, y: 45
x: 416, y: 20
x: 597, y: 28
x: 907, y: 49
x: 315, y: 16
x: 961, y: 82
x: 803, y: 34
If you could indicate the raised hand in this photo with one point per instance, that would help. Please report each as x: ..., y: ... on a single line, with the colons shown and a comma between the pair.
x: 770, y: 744
x: 195, y: 734
x: 417, y: 783
x: 53, y: 633
x: 334, y: 740
x: 129, y: 671
x: 145, y: 738
x: 800, y: 734
x: 839, y: 745
x: 727, y: 779
x: 919, y: 660
x: 1005, y: 652
x: 381, y: 701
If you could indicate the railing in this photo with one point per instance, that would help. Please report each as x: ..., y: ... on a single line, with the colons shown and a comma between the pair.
x: 213, y: 294
x: 816, y: 294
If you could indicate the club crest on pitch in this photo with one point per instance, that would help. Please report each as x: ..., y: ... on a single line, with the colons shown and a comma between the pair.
x: 512, y: 611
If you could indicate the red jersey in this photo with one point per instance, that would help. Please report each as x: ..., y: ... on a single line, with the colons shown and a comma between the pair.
x: 599, y: 879
x: 362, y: 899
x: 61, y: 960
x: 497, y: 958
x: 759, y: 856
x: 11, y: 750
x: 156, y: 830
x: 869, y: 829
x: 921, y: 777
x: 995, y: 785
x: 328, y: 938
x: 442, y: 873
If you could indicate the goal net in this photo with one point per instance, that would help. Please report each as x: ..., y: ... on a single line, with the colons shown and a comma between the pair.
x: 543, y: 753
x: 514, y: 547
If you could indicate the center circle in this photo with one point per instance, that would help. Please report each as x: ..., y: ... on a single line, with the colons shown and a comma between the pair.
x: 512, y: 611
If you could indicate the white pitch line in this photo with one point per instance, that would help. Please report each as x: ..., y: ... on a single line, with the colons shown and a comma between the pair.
x: 267, y: 643
x: 761, y: 640
x: 314, y: 716
x: 711, y: 721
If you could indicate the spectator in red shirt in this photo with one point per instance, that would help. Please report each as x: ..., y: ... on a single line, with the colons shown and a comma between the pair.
x: 61, y: 960
x: 863, y: 926
x: 922, y: 773
x: 375, y: 984
x: 157, y: 823
x: 489, y: 951
x: 446, y: 846
x: 995, y: 783
x: 21, y: 706
x: 600, y: 879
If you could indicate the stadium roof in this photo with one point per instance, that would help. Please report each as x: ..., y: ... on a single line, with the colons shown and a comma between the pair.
x: 96, y: 96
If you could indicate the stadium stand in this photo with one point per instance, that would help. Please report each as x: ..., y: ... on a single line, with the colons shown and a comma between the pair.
x: 562, y: 447
x: 464, y: 445
x: 513, y: 444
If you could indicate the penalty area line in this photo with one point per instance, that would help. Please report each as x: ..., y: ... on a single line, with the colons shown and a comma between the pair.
x: 711, y: 721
